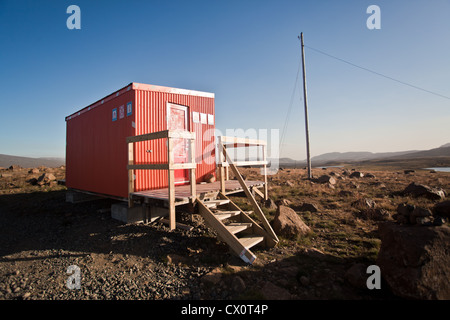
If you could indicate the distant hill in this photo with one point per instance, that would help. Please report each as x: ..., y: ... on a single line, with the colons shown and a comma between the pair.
x: 356, y: 156
x: 25, y: 162
x: 436, y: 152
x: 351, y: 157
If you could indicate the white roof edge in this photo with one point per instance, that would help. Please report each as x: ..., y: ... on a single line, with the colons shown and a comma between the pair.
x: 150, y: 87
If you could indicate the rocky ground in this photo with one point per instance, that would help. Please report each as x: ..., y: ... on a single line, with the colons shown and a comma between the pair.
x: 42, y: 235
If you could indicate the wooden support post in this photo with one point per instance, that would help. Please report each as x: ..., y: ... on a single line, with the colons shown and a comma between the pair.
x: 221, y: 168
x: 130, y: 173
x: 192, y: 176
x: 266, y: 193
x: 171, y: 186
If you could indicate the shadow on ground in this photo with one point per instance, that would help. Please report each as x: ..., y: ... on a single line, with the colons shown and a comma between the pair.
x: 45, y: 221
x: 41, y: 226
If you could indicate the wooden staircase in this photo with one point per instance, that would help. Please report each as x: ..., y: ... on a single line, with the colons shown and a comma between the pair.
x: 235, y: 227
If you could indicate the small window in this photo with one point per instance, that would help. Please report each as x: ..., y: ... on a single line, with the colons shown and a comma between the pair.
x: 210, y: 119
x: 203, y: 118
x: 195, y: 117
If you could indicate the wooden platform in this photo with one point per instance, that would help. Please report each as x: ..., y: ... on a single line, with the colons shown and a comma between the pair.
x: 183, y: 192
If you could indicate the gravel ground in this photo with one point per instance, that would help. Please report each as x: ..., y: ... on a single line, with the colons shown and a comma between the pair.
x: 42, y: 236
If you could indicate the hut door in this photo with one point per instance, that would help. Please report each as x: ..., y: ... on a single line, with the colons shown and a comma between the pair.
x: 178, y: 120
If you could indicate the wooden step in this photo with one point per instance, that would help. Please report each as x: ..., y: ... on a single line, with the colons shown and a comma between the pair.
x: 250, y: 241
x: 222, y: 215
x: 235, y: 227
x: 215, y: 203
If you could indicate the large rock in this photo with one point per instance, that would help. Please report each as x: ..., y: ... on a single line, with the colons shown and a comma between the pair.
x: 270, y: 204
x: 311, y: 207
x: 288, y: 223
x: 411, y: 214
x: 357, y: 275
x: 46, y: 178
x: 420, y: 190
x: 376, y: 214
x: 415, y: 260
x: 356, y: 174
x: 364, y: 203
x: 442, y: 209
x: 15, y: 167
x: 325, y: 179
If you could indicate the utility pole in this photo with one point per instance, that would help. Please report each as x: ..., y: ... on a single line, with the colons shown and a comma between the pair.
x: 308, y: 157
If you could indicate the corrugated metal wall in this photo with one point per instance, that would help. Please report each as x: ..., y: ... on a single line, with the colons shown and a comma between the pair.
x: 96, y: 149
x: 151, y: 116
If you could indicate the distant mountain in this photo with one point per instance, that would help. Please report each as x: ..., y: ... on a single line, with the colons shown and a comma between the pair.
x: 436, y: 152
x: 340, y: 157
x: 25, y: 162
x: 356, y: 156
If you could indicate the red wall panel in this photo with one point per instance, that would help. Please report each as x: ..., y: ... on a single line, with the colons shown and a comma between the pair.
x: 96, y: 150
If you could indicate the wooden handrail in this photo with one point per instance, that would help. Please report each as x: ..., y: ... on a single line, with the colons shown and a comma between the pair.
x: 236, y: 142
x: 228, y: 141
x: 249, y: 195
x: 170, y: 166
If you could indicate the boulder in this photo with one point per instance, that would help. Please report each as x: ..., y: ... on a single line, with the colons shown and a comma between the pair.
x: 375, y: 214
x: 308, y: 207
x: 405, y: 209
x: 335, y: 174
x: 364, y: 203
x: 283, y: 202
x: 410, y: 214
x: 415, y: 261
x: 403, y: 213
x: 288, y: 223
x: 420, y: 190
x: 325, y: 179
x: 15, y: 167
x: 356, y: 275
x: 442, y: 209
x: 46, y: 178
x: 420, y: 216
x: 290, y: 183
x: 32, y: 181
x: 356, y: 174
x: 270, y: 204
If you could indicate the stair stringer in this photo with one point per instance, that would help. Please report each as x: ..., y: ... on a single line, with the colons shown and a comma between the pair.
x: 224, y: 234
x: 269, y: 241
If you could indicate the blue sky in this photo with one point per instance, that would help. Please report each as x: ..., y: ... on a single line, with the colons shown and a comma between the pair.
x: 247, y: 53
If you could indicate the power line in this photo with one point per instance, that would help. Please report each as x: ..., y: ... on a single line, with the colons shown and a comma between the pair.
x: 286, y: 121
x: 379, y: 74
